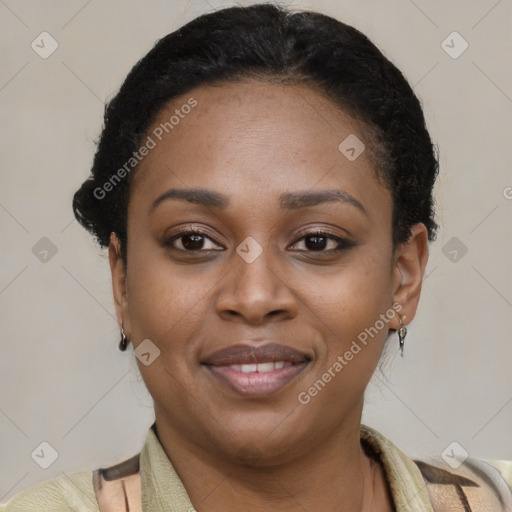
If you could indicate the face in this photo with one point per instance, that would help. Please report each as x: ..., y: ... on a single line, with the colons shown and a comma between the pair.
x: 258, y: 258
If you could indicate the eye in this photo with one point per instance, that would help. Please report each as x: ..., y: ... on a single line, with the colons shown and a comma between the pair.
x: 192, y: 240
x: 319, y: 241
x: 195, y: 240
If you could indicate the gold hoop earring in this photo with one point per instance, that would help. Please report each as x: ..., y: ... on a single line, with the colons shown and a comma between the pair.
x: 123, y: 344
x: 402, y: 333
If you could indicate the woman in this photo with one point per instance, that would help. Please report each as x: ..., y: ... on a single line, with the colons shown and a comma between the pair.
x: 263, y: 184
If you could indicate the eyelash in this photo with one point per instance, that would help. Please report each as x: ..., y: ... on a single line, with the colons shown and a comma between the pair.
x: 343, y: 243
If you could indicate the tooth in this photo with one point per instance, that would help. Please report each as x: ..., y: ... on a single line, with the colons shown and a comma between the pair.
x: 248, y: 368
x: 266, y: 367
x: 279, y: 364
x: 237, y: 367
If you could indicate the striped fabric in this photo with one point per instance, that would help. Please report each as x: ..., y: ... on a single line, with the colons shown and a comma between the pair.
x: 147, y: 482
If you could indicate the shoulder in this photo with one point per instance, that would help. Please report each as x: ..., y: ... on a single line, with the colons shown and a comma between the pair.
x: 471, y: 484
x: 504, y: 467
x: 66, y: 493
x: 449, y: 484
x: 83, y: 491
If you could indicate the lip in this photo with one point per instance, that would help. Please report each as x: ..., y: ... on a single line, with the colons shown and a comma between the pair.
x: 247, y: 354
x: 237, y: 366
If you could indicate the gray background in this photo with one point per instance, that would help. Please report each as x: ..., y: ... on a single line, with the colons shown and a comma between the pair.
x: 62, y: 379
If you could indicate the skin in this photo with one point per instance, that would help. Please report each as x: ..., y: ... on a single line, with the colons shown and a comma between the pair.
x: 254, y: 141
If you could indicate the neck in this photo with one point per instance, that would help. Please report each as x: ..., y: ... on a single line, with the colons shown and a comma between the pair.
x: 332, y: 476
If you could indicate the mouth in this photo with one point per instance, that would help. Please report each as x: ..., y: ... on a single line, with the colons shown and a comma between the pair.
x: 256, y: 371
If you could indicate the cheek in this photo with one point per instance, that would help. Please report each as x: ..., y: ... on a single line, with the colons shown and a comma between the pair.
x: 353, y: 295
x: 164, y: 302
x: 349, y: 308
x: 348, y: 312
x: 165, y: 308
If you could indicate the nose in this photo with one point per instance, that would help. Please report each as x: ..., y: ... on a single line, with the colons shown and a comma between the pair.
x: 255, y: 293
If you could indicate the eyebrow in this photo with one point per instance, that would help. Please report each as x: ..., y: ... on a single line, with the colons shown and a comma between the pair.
x: 297, y: 200
x: 198, y: 196
x: 288, y: 200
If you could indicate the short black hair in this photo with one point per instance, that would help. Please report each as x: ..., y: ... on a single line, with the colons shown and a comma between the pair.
x: 268, y: 42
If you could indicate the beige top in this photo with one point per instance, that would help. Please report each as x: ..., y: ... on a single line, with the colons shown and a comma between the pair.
x: 148, y: 482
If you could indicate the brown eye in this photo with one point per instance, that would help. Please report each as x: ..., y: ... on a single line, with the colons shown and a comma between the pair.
x: 316, y: 243
x: 321, y: 242
x: 192, y: 241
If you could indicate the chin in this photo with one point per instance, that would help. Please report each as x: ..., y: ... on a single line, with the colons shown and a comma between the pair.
x: 264, y: 446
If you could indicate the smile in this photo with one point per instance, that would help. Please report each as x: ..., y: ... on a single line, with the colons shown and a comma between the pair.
x: 256, y: 372
x: 260, y: 367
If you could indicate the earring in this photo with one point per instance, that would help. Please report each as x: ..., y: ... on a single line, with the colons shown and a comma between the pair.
x: 123, y: 344
x: 402, y: 333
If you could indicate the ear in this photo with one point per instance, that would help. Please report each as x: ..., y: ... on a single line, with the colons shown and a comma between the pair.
x: 409, y: 262
x: 118, y: 271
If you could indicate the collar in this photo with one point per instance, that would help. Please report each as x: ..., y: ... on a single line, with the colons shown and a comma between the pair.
x: 162, y: 488
x: 408, y: 488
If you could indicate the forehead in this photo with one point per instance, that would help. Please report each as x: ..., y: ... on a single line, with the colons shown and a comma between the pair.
x: 258, y: 139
